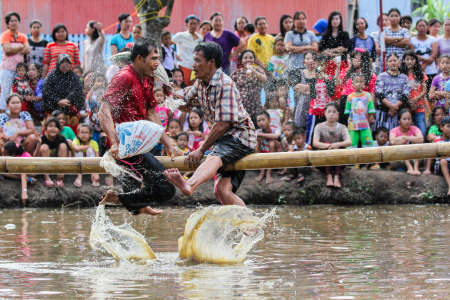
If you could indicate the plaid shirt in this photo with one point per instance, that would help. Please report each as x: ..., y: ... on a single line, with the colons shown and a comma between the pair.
x: 221, y: 103
x: 402, y: 33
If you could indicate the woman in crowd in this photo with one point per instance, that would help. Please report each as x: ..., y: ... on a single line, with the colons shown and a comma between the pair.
x: 204, y: 28
x: 14, y: 47
x: 298, y: 41
x: 17, y: 125
x: 93, y: 47
x: 63, y: 91
x: 396, y: 37
x: 60, y: 45
x: 37, y: 84
x: 249, y: 82
x: 36, y: 43
x: 434, y: 27
x: 239, y: 26
x: 186, y: 42
x: 361, y: 40
x: 444, y: 41
x: 226, y: 39
x: 123, y: 34
x: 286, y: 25
x: 262, y: 43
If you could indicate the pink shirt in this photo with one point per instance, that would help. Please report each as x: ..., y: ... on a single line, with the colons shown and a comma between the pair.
x: 25, y: 154
x: 413, y: 130
x: 348, y: 86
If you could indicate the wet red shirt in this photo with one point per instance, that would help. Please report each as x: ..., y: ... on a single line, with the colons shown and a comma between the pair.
x: 130, y: 96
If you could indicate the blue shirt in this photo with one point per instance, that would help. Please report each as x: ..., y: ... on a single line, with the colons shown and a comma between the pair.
x: 120, y: 42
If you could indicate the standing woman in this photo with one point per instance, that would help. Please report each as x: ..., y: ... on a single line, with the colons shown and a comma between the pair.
x: 14, y: 47
x: 249, y: 82
x: 92, y: 58
x: 396, y: 37
x: 286, y: 24
x: 186, y: 42
x: 204, y: 28
x: 123, y: 34
x: 434, y: 27
x: 361, y: 40
x: 226, y: 39
x: 60, y: 45
x: 444, y: 41
x: 239, y: 26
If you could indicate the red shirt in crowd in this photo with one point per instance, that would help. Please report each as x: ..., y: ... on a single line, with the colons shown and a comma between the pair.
x: 130, y: 96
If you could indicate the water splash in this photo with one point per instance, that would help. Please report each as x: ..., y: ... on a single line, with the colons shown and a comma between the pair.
x: 122, y: 242
x: 222, y: 234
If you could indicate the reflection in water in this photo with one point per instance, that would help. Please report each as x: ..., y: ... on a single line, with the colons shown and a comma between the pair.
x: 310, y: 252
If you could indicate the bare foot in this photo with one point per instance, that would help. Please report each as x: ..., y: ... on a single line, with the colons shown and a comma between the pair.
x: 330, y: 180
x: 111, y: 198
x: 269, y: 179
x: 426, y: 172
x: 412, y: 172
x: 284, y: 172
x: 417, y: 172
x: 174, y: 177
x: 261, y: 176
x: 337, y: 182
x: 150, y: 211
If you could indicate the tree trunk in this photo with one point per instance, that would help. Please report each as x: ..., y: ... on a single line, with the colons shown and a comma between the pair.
x: 149, y: 10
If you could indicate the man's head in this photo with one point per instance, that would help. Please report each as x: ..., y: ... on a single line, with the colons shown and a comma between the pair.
x: 207, y: 59
x: 145, y: 56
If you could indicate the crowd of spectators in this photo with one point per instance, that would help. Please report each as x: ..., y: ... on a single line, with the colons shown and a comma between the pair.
x: 342, y: 95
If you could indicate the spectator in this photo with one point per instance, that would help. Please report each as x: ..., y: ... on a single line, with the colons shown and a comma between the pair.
x: 286, y: 25
x: 196, y: 130
x: 437, y: 92
x: 226, y: 39
x: 239, y: 30
x: 361, y: 40
x: 376, y: 36
x: 93, y: 48
x: 116, y: 66
x: 17, y: 125
x: 434, y: 132
x: 406, y: 22
x: 21, y: 84
x: 137, y: 33
x: 434, y: 27
x: 381, y: 140
x: 444, y: 40
x: 249, y: 81
x: 84, y: 146
x: 299, y: 144
x: 442, y: 163
x: 37, y: 44
x: 14, y: 47
x: 405, y: 134
x: 278, y: 63
x: 298, y: 41
x: 59, y: 46
x: 168, y: 54
x: 93, y: 104
x: 123, y: 34
x: 267, y: 142
x: 249, y: 31
x: 181, y: 141
x: 262, y: 43
x: 63, y: 91
x: 396, y: 37
x: 186, y: 42
x: 79, y: 71
x: 66, y: 132
x: 178, y: 79
x: 37, y: 84
x: 205, y: 27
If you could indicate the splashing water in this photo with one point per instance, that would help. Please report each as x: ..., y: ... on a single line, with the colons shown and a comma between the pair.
x: 222, y: 234
x: 122, y: 242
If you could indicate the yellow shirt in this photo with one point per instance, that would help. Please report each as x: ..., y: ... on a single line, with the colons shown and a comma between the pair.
x: 93, y: 144
x: 262, y: 46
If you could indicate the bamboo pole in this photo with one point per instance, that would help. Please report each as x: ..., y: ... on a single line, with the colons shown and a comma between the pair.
x: 46, y: 165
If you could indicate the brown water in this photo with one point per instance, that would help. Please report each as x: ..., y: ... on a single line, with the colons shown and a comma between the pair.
x: 324, y: 252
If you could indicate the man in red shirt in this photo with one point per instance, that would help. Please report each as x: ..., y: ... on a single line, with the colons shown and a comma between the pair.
x: 130, y: 97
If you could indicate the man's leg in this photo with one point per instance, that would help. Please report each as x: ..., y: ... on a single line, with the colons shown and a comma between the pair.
x: 203, y: 173
x: 224, y: 191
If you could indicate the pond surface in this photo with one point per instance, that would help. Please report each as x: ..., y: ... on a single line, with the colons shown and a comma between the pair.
x: 323, y: 252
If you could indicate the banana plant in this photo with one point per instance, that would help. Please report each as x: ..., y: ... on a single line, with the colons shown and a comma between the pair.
x: 432, y: 9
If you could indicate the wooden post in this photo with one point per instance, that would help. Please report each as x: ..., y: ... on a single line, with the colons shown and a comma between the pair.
x: 41, y: 165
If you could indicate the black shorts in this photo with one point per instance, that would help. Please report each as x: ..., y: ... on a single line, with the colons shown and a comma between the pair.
x: 438, y: 169
x: 230, y: 150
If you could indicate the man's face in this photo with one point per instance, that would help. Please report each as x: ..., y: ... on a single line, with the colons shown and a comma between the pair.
x: 201, y: 66
x: 148, y: 66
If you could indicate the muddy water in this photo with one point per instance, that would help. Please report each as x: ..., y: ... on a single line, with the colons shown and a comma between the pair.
x: 324, y: 252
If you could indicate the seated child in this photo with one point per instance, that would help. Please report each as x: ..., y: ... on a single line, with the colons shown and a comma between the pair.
x: 381, y: 140
x: 84, y: 146
x: 22, y: 85
x: 442, y: 163
x: 67, y: 132
x: 287, y: 140
x: 267, y: 141
x: 331, y: 135
x: 12, y: 149
x: 197, y: 131
x: 299, y: 136
x: 275, y: 110
x: 434, y: 132
x: 52, y: 144
x: 181, y: 140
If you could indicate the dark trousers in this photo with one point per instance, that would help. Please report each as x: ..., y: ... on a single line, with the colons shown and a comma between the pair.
x: 337, y: 170
x: 153, y: 188
x: 302, y: 170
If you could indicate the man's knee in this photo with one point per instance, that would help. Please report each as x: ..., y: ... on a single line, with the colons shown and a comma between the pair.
x: 224, y: 188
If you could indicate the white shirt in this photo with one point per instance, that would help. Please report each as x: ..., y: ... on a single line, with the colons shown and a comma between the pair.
x: 169, y: 62
x: 424, y: 49
x: 185, y: 47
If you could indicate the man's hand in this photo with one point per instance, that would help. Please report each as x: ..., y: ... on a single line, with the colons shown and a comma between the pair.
x: 115, y: 150
x: 194, y: 158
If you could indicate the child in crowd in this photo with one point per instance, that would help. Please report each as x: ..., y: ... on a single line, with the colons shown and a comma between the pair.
x: 299, y: 136
x: 437, y: 114
x: 172, y: 130
x: 331, y: 135
x: 22, y: 85
x: 164, y: 115
x: 67, y: 132
x: 168, y: 54
x: 406, y: 134
x: 442, y: 163
x: 181, y: 140
x: 279, y: 63
x: 36, y: 43
x: 267, y: 141
x: 52, y: 144
x: 275, y: 110
x: 137, y: 33
x: 412, y: 68
x: 178, y: 79
x: 249, y: 31
x: 381, y: 140
x: 79, y: 71
x: 287, y: 141
x: 197, y: 131
x: 12, y: 149
x: 84, y: 146
x: 93, y: 105
x: 437, y: 92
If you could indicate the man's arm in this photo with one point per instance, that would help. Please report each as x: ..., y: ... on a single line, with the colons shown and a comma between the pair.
x: 217, y: 131
x: 107, y: 124
x: 153, y: 116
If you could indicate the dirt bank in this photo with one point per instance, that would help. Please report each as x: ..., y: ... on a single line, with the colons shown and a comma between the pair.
x: 358, y: 187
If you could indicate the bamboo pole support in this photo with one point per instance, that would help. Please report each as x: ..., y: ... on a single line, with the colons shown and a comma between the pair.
x: 279, y: 160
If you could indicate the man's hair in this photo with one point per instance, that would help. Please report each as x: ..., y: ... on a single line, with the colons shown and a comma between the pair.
x: 250, y: 28
x: 259, y: 18
x: 142, y: 47
x: 9, y: 15
x: 210, y: 50
x: 264, y: 112
x: 445, y: 120
x: 299, y: 131
x: 181, y: 133
x: 381, y: 129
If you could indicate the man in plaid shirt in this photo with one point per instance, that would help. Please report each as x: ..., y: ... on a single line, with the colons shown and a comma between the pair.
x: 233, y: 133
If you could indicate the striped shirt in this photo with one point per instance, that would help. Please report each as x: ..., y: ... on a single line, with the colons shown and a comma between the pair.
x: 221, y: 103
x: 53, y: 50
x: 264, y: 144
